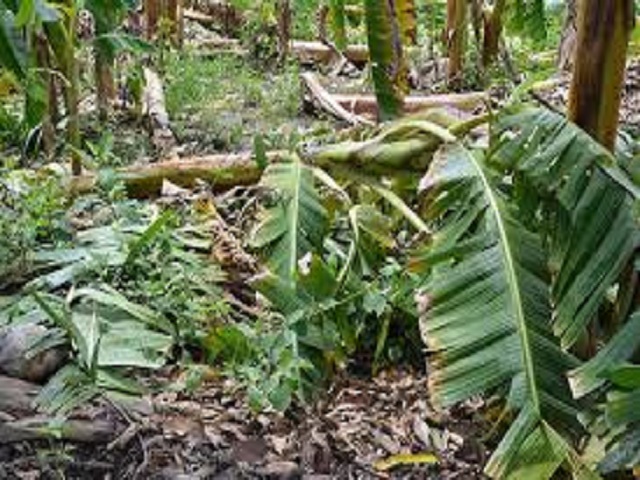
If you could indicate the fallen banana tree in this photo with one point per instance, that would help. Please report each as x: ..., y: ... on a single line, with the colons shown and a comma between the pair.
x: 405, y: 146
x: 363, y: 109
x: 312, y: 53
x: 306, y: 52
x: 221, y: 172
x: 367, y: 105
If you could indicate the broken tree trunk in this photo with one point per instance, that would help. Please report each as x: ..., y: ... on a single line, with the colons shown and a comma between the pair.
x: 306, y: 52
x: 43, y: 59
x: 16, y: 396
x: 318, y: 52
x: 152, y: 15
x: 389, y: 70
x: 604, y: 28
x: 217, y: 13
x: 169, y: 10
x: 285, y: 19
x: 21, y: 422
x: 221, y: 172
x: 368, y: 106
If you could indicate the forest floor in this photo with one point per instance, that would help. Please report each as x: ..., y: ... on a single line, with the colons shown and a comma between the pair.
x: 220, y: 104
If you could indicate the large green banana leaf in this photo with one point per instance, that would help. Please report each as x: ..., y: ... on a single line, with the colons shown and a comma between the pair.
x: 295, y: 225
x: 592, y: 231
x: 387, y: 64
x: 486, y: 316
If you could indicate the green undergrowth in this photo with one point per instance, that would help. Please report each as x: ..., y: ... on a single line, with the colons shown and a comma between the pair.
x: 220, y: 103
x: 121, y: 285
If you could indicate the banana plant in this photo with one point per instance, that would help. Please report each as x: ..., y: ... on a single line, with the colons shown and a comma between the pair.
x: 388, y: 65
x: 486, y: 316
x: 530, y: 247
x: 528, y: 240
x: 604, y: 30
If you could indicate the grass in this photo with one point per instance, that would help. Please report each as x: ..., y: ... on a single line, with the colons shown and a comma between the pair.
x: 223, y: 102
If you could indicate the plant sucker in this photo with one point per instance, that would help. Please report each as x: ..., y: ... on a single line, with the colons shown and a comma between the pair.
x: 604, y: 28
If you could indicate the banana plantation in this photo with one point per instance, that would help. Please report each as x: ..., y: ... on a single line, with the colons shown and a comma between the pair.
x: 318, y: 239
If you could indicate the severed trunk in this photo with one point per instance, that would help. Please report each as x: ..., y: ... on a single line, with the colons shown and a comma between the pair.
x: 171, y: 11
x: 106, y: 21
x: 604, y: 28
x: 174, y: 15
x: 456, y: 40
x: 62, y: 39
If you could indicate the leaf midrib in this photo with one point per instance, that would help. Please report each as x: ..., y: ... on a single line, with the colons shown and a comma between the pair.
x: 294, y: 221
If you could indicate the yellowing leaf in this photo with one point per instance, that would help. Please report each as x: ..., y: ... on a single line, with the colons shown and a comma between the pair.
x: 405, y: 459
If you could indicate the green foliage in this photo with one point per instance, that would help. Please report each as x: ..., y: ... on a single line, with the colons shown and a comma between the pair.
x: 229, y: 101
x: 332, y: 291
x: 592, y: 231
x: 32, y: 212
x: 487, y: 315
x: 295, y: 225
x: 130, y: 293
x: 524, y: 255
x: 530, y: 18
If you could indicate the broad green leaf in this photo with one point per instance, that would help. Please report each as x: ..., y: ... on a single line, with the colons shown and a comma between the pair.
x: 149, y: 235
x: 296, y: 224
x: 486, y: 315
x: 112, y: 298
x: 575, y: 183
x: 131, y: 344
x: 622, y: 408
x: 625, y: 376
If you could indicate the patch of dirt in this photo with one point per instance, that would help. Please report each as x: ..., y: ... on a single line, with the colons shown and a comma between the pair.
x: 212, y: 434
